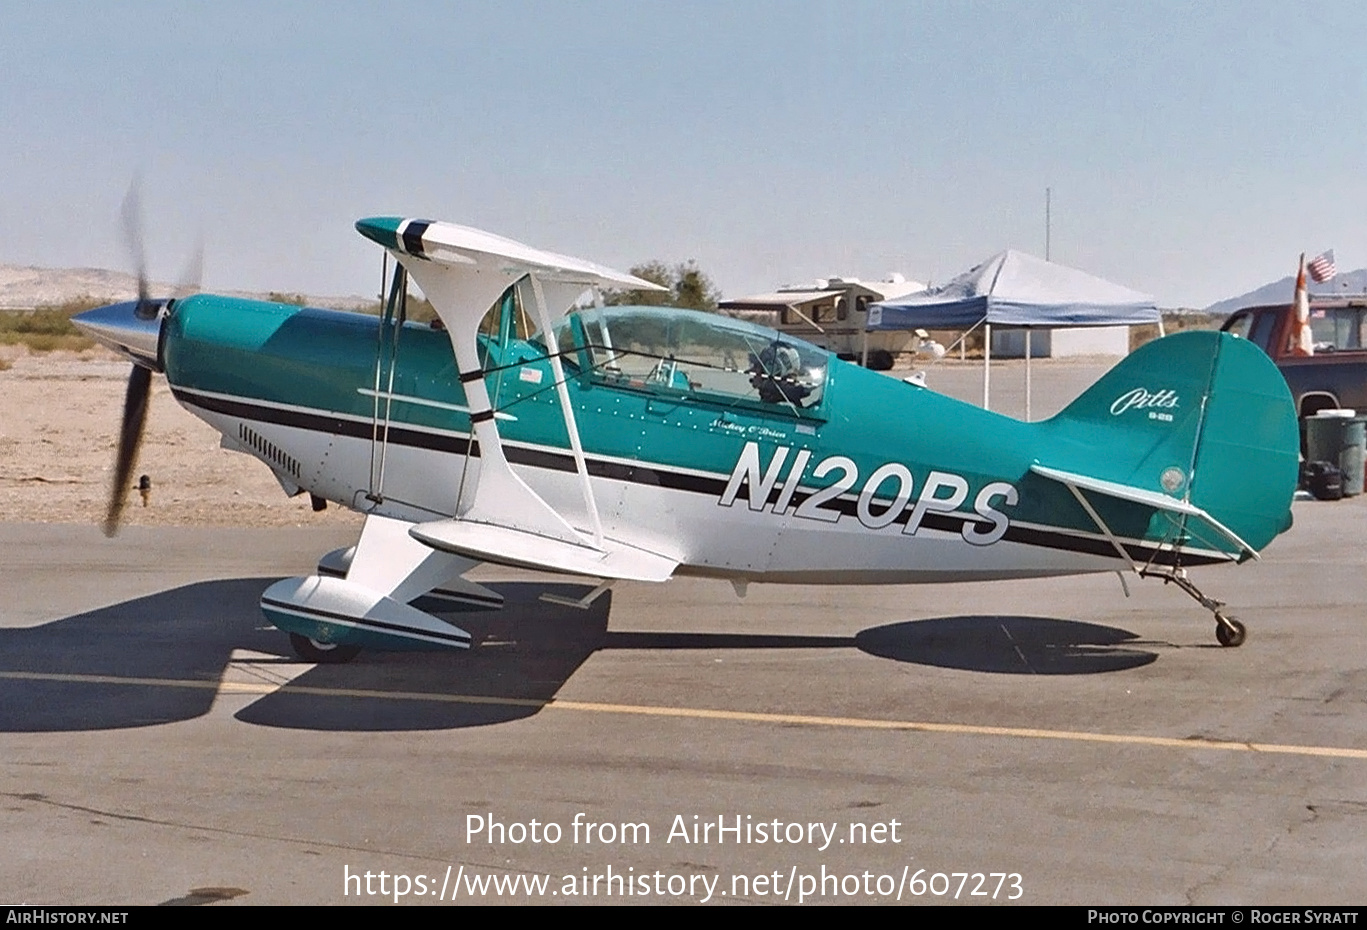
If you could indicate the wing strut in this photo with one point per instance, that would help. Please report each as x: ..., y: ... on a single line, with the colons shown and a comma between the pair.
x: 1101, y: 524
x: 1139, y: 496
x: 391, y: 327
x: 571, y: 424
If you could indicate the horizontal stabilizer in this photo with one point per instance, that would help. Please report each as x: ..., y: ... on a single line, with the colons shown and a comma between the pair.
x: 1135, y: 495
x: 507, y: 546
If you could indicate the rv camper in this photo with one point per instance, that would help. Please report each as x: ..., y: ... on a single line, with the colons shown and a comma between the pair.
x: 833, y: 313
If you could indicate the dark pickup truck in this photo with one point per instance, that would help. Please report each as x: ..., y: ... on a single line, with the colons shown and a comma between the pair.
x: 1336, y: 374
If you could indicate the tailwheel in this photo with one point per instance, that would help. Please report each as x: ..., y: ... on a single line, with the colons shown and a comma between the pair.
x: 1229, y: 631
x: 311, y: 650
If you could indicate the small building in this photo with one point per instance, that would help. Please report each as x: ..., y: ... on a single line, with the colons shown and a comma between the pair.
x: 1062, y: 343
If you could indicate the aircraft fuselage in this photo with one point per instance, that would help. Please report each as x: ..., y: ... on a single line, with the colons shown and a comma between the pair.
x: 883, y: 482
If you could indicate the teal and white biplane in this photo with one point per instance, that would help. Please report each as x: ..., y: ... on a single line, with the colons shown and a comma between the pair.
x: 532, y: 426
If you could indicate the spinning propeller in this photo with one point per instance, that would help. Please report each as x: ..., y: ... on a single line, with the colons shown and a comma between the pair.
x: 130, y: 437
x: 133, y: 329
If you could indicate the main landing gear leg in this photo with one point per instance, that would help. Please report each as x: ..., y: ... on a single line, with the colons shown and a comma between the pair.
x: 1229, y: 631
x: 363, y: 598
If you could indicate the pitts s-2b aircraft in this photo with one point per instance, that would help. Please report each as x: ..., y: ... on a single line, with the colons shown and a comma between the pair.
x: 532, y: 428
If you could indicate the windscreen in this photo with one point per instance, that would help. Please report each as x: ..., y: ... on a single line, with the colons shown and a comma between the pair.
x: 710, y: 356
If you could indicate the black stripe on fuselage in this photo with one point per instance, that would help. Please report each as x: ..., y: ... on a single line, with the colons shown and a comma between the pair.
x: 331, y: 425
x: 412, y: 237
x: 451, y: 442
x: 654, y: 476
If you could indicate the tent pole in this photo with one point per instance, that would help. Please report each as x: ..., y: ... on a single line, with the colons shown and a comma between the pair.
x: 1028, y: 333
x: 987, y: 367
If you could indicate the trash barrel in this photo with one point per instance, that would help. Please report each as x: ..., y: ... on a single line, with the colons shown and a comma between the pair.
x: 1338, y: 436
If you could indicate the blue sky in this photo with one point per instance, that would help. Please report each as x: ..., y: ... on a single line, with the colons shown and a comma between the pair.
x: 1193, y: 149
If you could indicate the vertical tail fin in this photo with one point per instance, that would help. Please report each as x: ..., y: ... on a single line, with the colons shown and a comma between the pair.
x: 1202, y: 417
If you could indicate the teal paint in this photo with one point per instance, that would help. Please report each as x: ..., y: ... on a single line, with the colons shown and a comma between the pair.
x: 1238, y: 453
x: 381, y: 229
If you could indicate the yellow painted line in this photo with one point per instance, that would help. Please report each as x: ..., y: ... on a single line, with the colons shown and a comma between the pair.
x: 699, y: 713
x: 252, y: 687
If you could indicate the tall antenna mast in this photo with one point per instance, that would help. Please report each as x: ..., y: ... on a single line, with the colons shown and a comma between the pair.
x: 1048, y: 197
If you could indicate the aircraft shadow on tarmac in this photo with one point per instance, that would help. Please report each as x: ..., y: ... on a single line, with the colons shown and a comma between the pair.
x: 162, y: 657
x: 1009, y: 645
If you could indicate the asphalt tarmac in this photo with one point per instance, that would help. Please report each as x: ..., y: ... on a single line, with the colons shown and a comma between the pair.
x: 1007, y: 742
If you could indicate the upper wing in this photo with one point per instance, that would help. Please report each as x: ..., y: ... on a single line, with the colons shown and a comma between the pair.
x: 450, y: 244
x: 463, y: 270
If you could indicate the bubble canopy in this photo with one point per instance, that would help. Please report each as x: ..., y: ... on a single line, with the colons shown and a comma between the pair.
x: 705, y: 356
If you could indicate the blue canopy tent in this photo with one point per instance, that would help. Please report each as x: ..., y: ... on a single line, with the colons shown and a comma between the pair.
x: 1018, y: 290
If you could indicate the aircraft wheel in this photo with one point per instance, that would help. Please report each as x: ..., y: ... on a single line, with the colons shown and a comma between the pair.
x: 310, y: 650
x: 1229, y: 631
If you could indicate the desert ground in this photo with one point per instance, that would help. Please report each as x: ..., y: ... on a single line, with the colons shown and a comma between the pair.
x: 59, y: 426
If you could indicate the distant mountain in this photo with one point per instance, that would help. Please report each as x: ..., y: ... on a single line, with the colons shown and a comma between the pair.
x: 23, y: 287
x: 1280, y: 292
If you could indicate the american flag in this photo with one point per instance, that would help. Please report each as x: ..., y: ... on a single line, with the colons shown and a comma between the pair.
x: 1322, y: 268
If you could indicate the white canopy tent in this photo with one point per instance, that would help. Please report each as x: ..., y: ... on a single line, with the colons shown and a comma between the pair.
x: 1015, y: 289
